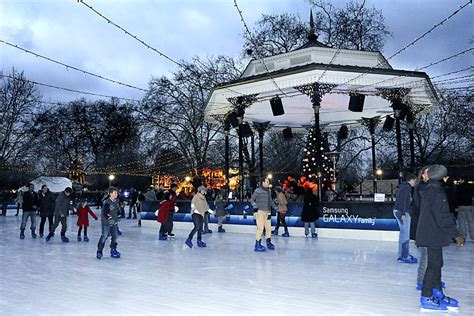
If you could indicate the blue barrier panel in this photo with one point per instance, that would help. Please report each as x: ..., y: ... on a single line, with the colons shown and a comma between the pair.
x: 348, y: 215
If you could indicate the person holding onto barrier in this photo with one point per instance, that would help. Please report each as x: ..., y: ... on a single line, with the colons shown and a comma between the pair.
x: 402, y: 213
x: 262, y: 200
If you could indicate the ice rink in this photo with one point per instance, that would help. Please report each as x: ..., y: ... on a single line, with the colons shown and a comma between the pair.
x: 324, y: 276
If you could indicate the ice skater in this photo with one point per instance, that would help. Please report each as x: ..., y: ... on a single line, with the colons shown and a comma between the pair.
x: 262, y: 200
x: 165, y: 215
x: 61, y: 213
x: 220, y: 211
x: 435, y: 229
x: 281, y: 213
x: 402, y: 213
x: 83, y: 219
x: 109, y: 218
x: 199, y: 208
x: 46, y: 208
x: 309, y: 214
x: 30, y: 205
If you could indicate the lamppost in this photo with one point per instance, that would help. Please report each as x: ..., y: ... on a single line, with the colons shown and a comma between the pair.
x: 111, y: 178
x: 379, y: 173
x: 333, y: 156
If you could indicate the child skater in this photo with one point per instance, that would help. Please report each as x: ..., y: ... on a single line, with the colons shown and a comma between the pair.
x: 83, y: 219
x: 199, y: 207
x: 165, y: 215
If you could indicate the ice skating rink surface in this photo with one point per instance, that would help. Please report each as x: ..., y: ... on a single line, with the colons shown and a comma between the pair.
x: 325, y: 276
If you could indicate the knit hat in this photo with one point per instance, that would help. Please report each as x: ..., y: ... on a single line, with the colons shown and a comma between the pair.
x: 437, y: 172
x: 202, y: 188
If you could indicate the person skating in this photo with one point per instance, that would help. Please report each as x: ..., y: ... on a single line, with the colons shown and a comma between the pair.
x: 281, y: 213
x: 435, y: 230
x: 310, y: 214
x: 465, y: 209
x: 402, y: 213
x: 262, y: 201
x: 220, y: 211
x: 46, y: 208
x: 199, y: 208
x: 109, y: 218
x: 30, y: 205
x: 165, y: 214
x: 83, y: 220
x: 61, y: 213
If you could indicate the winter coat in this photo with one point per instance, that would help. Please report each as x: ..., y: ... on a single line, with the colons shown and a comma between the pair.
x: 200, y: 204
x: 310, y: 212
x: 220, y: 206
x: 436, y: 225
x: 63, y: 205
x: 282, y: 203
x: 415, y: 208
x: 166, y: 209
x: 110, y: 212
x: 403, y: 198
x: 261, y: 199
x: 30, y: 199
x: 46, y: 204
x: 464, y: 194
x: 83, y: 216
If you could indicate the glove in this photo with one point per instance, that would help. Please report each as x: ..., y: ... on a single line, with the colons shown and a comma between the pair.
x: 211, y: 212
x: 459, y: 241
x: 176, y: 209
x: 111, y: 220
x: 156, y: 213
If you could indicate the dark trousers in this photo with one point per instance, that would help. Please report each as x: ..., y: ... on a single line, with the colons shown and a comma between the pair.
x: 281, y: 218
x: 432, y: 279
x: 4, y: 208
x: 198, y: 221
x: 57, y: 220
x: 167, y: 226
x: 106, y: 231
x: 80, y: 230
x: 134, y: 208
x: 43, y: 221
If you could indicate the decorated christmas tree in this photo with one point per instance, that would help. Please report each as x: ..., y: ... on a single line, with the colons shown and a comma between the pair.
x: 311, y: 163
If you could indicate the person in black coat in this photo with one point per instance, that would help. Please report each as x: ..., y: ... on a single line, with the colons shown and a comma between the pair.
x: 435, y: 229
x: 30, y: 205
x: 46, y: 208
x: 310, y: 214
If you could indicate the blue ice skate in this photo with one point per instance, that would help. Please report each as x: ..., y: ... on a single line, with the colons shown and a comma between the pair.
x: 432, y: 304
x: 409, y: 259
x: 419, y: 285
x: 259, y: 247
x: 163, y: 237
x: 188, y: 243
x: 86, y: 239
x: 99, y: 254
x: 64, y: 239
x: 450, y: 302
x: 285, y: 234
x: 114, y: 253
x: 270, y: 245
x: 201, y: 244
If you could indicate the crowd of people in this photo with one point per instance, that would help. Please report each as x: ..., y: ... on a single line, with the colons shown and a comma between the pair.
x: 428, y: 210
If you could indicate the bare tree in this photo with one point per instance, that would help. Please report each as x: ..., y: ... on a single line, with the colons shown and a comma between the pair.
x: 19, y: 101
x: 173, y: 109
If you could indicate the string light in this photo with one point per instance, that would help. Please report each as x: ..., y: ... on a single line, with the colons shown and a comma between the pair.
x: 252, y: 39
x: 67, y: 89
x: 431, y: 29
x: 445, y: 59
x: 71, y: 67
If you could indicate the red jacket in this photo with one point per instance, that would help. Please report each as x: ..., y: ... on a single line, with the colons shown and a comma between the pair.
x: 166, y: 209
x: 82, y: 216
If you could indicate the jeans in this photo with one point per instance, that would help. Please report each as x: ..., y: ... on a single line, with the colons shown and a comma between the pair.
x: 220, y: 220
x: 57, y: 220
x: 24, y: 219
x: 106, y: 231
x: 207, y: 218
x: 43, y: 221
x: 134, y: 208
x: 422, y: 264
x: 466, y: 219
x: 404, y: 237
x: 198, y: 221
x: 306, y: 228
x: 432, y: 279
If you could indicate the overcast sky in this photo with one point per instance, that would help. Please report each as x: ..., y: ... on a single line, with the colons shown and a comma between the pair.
x: 67, y: 31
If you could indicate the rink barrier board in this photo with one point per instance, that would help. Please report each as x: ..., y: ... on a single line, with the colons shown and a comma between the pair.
x: 337, y: 215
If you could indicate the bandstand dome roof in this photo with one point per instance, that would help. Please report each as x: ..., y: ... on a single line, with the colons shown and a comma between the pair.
x: 348, y: 71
